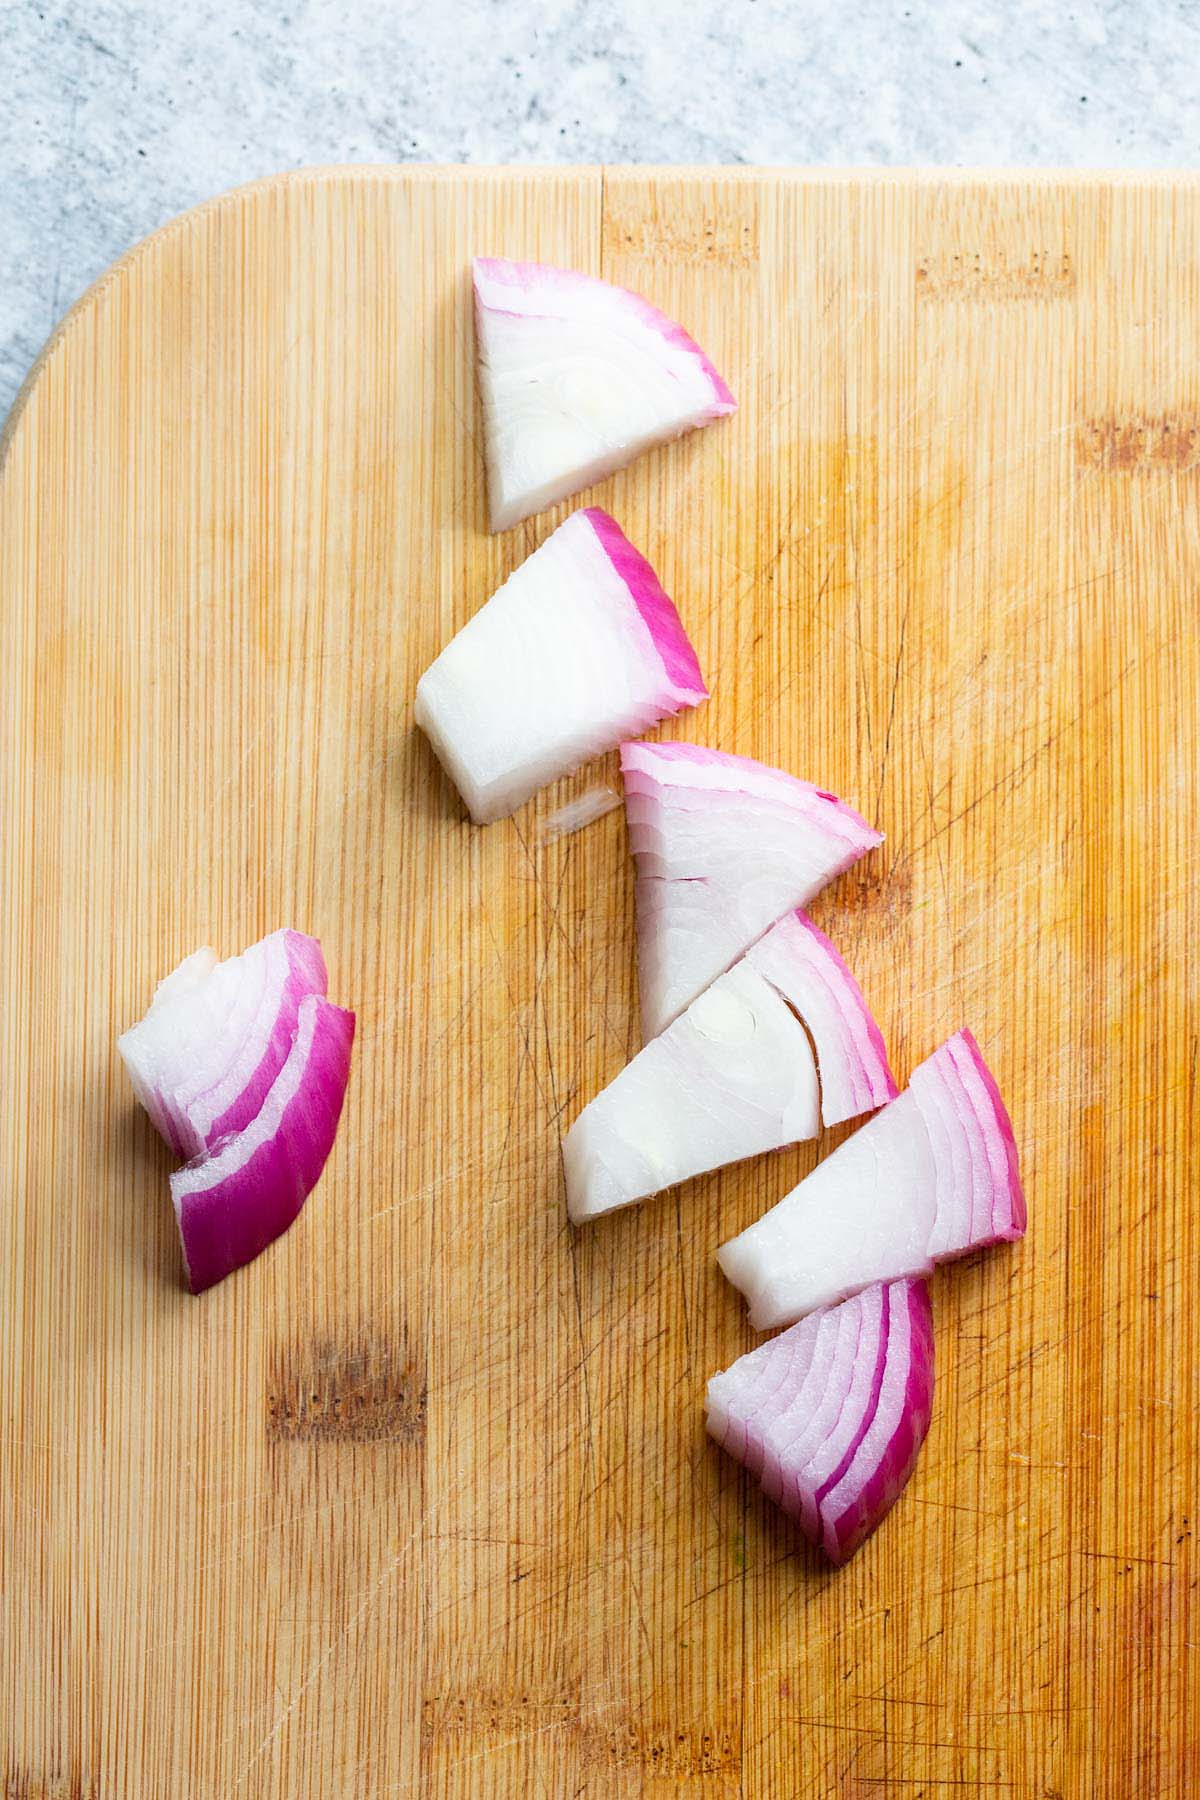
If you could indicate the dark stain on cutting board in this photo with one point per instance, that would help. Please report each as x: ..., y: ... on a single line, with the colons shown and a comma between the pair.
x: 366, y: 1391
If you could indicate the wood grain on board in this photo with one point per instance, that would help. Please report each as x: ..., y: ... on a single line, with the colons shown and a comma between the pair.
x: 421, y: 1503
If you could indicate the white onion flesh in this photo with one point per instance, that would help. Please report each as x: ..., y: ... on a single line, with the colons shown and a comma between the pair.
x: 732, y: 1077
x: 577, y: 378
x: 217, y: 1034
x: 579, y: 648
x: 723, y: 846
x: 799, y: 960
x: 932, y: 1176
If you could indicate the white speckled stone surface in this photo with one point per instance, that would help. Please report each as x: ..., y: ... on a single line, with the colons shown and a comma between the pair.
x: 117, y: 115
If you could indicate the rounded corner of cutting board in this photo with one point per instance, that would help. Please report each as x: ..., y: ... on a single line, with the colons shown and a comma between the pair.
x: 248, y: 191
x: 132, y: 258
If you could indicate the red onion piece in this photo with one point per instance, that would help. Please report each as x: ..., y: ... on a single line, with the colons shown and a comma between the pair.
x: 217, y: 1034
x: 577, y: 377
x: 579, y: 648
x: 732, y: 1076
x: 723, y: 846
x: 798, y: 959
x: 888, y: 1447
x: 833, y: 1412
x: 932, y: 1176
x: 237, y: 1198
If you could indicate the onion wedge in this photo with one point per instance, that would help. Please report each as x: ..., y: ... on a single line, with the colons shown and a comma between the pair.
x: 831, y: 1414
x: 723, y: 846
x: 217, y: 1034
x: 734, y: 1075
x: 799, y: 960
x: 578, y: 648
x: 577, y: 377
x: 236, y: 1199
x: 931, y: 1177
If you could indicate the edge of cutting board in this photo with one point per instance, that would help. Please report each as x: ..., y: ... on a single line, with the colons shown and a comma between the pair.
x: 482, y: 172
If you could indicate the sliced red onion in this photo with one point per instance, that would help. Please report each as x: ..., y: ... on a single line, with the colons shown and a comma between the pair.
x: 832, y: 1413
x: 932, y: 1176
x: 734, y: 1075
x: 887, y: 1450
x: 798, y: 959
x: 577, y: 377
x: 579, y: 647
x: 216, y: 1036
x: 235, y: 1200
x: 723, y: 847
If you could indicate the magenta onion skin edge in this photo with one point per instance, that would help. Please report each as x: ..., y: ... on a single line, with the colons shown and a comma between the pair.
x: 883, y: 1485
x: 306, y: 974
x: 530, y: 277
x: 686, y: 686
x: 874, y: 1431
x: 811, y: 974
x: 1018, y: 1216
x: 234, y: 1201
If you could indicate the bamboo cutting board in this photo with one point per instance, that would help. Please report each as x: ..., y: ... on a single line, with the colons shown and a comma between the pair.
x: 421, y: 1503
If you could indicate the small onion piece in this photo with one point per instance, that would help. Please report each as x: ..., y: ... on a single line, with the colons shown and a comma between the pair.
x: 723, y: 846
x: 217, y: 1034
x: 932, y: 1176
x: 578, y: 648
x: 577, y: 377
x: 799, y: 960
x: 233, y: 1201
x: 832, y: 1413
x: 733, y: 1076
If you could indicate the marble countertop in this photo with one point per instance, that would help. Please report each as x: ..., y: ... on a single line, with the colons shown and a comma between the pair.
x: 118, y: 113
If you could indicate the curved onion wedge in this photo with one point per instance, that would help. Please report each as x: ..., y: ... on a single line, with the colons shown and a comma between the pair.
x: 234, y: 1201
x: 217, y: 1034
x: 932, y: 1176
x: 578, y: 648
x: 723, y: 847
x: 577, y: 378
x: 734, y: 1075
x: 798, y: 959
x: 832, y: 1413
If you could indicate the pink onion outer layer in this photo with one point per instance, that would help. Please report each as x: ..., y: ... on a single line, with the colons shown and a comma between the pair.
x: 234, y: 1100
x: 216, y: 1035
x: 832, y: 1413
x: 683, y: 682
x: 932, y: 1176
x: 577, y: 377
x: 577, y: 649
x: 233, y: 1201
x: 724, y: 846
x: 798, y: 959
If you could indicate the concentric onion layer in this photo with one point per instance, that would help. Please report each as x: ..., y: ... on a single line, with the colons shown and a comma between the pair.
x: 733, y: 1076
x: 231, y: 1203
x: 931, y: 1176
x: 217, y: 1034
x: 799, y: 960
x: 577, y: 377
x: 724, y: 846
x: 831, y: 1414
x: 580, y: 647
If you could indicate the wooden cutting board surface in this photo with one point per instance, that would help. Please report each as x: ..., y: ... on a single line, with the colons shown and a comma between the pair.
x: 422, y: 1501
